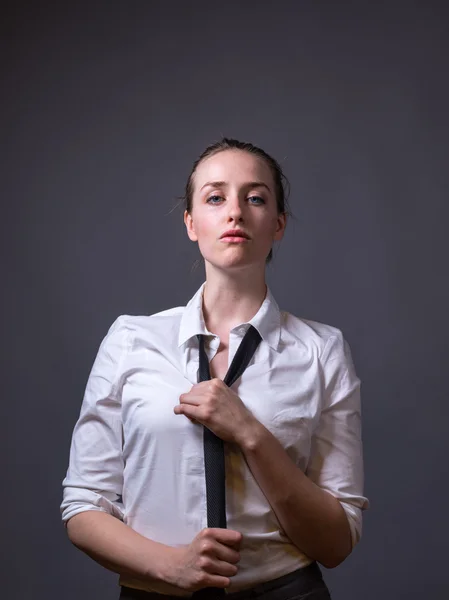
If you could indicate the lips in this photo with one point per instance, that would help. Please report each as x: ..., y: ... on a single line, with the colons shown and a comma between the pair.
x: 235, y: 233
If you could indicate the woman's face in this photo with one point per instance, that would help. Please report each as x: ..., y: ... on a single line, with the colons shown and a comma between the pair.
x: 234, y: 190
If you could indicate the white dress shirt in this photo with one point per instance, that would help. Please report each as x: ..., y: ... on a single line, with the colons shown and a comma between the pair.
x: 132, y: 457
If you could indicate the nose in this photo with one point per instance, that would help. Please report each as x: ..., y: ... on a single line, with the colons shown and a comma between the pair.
x: 235, y: 210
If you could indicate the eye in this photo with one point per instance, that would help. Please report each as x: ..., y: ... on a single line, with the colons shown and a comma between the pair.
x: 256, y: 200
x: 214, y: 199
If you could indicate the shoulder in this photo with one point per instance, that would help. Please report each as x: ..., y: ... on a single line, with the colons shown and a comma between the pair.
x: 163, y: 325
x: 311, y: 334
x: 326, y: 345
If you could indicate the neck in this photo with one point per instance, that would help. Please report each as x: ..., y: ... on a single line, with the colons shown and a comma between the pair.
x: 232, y: 298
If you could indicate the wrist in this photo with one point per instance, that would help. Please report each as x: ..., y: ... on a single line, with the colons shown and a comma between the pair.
x: 251, y: 435
x: 166, y: 569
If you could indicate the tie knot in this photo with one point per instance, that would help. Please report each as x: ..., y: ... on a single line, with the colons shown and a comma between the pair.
x: 241, y: 359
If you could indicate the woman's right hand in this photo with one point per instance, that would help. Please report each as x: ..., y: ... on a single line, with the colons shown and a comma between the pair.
x: 208, y: 561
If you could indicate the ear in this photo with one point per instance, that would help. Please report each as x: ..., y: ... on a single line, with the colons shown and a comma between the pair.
x: 188, y: 221
x: 280, y: 227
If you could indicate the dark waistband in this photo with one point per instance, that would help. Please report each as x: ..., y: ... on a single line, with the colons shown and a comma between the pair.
x: 310, y: 573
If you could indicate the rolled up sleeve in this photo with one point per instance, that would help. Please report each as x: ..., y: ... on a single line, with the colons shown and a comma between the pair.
x: 94, y: 478
x: 336, y: 463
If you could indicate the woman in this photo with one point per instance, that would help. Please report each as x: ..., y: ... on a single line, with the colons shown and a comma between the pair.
x: 135, y: 491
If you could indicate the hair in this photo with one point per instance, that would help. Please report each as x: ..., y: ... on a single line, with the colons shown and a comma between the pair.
x: 281, y: 183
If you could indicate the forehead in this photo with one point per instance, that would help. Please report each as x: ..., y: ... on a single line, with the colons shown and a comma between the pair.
x: 235, y: 166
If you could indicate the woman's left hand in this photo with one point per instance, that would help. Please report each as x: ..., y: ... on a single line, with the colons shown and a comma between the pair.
x: 213, y: 404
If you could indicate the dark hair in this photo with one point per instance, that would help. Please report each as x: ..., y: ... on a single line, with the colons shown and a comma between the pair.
x: 280, y: 181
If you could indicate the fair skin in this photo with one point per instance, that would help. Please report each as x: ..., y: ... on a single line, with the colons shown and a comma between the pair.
x: 234, y: 291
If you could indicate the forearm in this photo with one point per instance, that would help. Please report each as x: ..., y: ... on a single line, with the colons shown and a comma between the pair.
x: 312, y: 518
x: 119, y: 548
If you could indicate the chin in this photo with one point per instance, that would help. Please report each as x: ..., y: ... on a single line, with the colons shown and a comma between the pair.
x: 235, y: 257
x: 231, y: 262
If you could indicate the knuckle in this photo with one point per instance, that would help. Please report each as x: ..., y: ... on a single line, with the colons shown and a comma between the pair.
x: 201, y: 578
x: 208, y: 412
x: 203, y: 562
x: 206, y: 546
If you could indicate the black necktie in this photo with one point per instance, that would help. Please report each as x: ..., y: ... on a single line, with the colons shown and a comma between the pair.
x: 214, y: 461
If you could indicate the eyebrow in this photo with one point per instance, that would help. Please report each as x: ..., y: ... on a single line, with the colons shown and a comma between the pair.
x: 223, y: 184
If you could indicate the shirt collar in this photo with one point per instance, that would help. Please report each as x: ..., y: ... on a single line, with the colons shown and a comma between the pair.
x: 267, y: 320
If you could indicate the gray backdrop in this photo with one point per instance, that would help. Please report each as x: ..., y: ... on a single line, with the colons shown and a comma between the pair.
x: 104, y: 107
